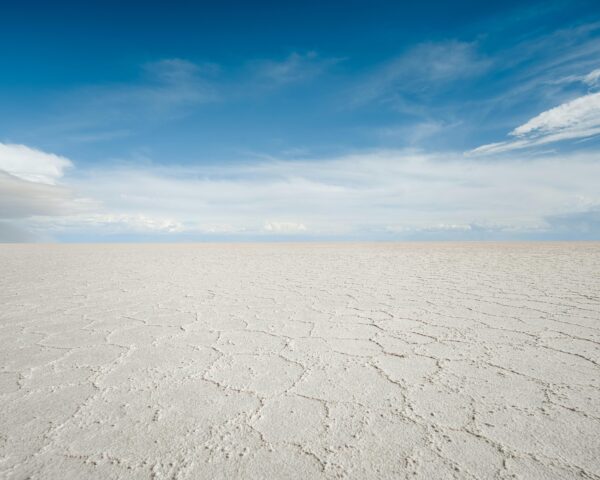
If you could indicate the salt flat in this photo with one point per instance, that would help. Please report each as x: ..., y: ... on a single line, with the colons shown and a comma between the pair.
x: 300, y: 361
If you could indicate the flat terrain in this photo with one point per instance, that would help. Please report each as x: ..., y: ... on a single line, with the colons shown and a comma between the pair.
x: 300, y: 361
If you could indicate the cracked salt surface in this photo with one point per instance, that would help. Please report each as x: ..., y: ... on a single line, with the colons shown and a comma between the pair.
x: 300, y: 361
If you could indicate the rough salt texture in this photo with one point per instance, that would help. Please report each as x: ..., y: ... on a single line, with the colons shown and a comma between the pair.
x: 300, y: 361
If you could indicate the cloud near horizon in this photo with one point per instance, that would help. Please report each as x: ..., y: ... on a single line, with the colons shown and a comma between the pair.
x: 31, y: 164
x: 370, y: 195
x: 29, y: 183
x: 29, y: 186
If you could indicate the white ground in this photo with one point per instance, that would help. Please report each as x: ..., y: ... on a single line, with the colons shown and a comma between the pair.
x: 307, y: 361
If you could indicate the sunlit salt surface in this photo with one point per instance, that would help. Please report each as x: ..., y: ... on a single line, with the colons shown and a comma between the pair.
x: 300, y: 361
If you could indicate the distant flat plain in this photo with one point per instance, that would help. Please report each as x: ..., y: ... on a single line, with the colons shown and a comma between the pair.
x: 273, y: 361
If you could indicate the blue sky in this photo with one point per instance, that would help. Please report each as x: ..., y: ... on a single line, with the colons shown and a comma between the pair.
x: 299, y: 120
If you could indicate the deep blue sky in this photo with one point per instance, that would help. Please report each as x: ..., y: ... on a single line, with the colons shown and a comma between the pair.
x: 204, y: 87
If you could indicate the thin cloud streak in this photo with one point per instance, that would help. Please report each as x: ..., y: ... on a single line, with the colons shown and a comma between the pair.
x: 578, y: 118
x: 423, y: 70
x: 295, y: 68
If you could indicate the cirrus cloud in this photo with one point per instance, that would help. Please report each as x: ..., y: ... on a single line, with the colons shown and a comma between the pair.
x: 578, y: 118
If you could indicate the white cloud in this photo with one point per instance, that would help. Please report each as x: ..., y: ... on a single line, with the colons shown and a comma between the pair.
x: 361, y: 195
x: 284, y: 227
x: 579, y: 118
x: 111, y: 223
x: 592, y: 78
x: 350, y: 195
x: 31, y: 164
x: 28, y: 186
x: 434, y: 227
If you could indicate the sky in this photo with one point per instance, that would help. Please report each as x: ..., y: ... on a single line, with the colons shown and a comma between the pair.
x: 293, y: 121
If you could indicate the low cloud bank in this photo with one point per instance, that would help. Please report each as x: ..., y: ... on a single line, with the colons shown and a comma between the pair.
x: 390, y: 194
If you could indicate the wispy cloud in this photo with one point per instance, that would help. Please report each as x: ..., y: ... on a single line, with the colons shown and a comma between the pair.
x: 166, y: 91
x: 422, y: 70
x: 578, y: 118
x: 415, y: 134
x: 166, y: 87
x: 540, y: 71
x: 593, y: 78
x: 163, y: 91
x: 176, y: 82
x: 295, y: 68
